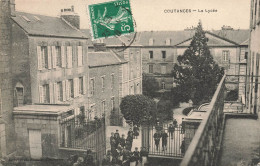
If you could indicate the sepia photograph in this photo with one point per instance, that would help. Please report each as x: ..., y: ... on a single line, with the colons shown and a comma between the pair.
x: 129, y: 83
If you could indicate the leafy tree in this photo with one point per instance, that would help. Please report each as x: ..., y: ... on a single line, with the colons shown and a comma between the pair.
x: 197, y: 74
x: 164, y: 110
x: 138, y: 109
x: 150, y: 86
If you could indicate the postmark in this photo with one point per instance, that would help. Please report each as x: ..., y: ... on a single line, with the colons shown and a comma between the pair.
x: 111, y: 19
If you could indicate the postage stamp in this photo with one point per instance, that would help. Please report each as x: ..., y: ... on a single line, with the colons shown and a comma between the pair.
x: 110, y: 19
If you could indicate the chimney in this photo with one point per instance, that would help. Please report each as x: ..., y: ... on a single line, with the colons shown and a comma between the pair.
x: 71, y: 17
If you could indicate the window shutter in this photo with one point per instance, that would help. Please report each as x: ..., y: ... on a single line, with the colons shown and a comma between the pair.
x: 80, y: 58
x: 64, y: 91
x: 51, y: 92
x: 67, y: 90
x: 39, y: 58
x: 69, y: 57
x: 75, y: 85
x: 40, y: 94
x: 53, y: 57
x: 49, y: 57
x: 84, y: 85
x: 63, y: 62
x: 55, y: 93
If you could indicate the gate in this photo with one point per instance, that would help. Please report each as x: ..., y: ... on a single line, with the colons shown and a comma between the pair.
x: 171, y: 143
x: 84, y: 135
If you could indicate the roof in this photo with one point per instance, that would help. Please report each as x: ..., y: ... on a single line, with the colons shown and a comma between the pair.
x: 97, y: 59
x: 213, y: 40
x: 42, y: 109
x: 40, y: 25
x: 160, y: 37
x: 238, y: 36
x: 130, y: 39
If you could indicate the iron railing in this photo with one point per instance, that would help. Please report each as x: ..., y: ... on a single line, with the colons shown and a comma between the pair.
x: 204, y: 147
x: 78, y: 134
x: 174, y: 144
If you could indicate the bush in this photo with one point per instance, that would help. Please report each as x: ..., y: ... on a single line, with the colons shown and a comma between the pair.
x: 164, y: 110
x: 187, y: 110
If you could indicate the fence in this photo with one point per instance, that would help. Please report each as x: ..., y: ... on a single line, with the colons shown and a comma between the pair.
x: 165, y: 141
x: 205, y: 145
x: 78, y: 134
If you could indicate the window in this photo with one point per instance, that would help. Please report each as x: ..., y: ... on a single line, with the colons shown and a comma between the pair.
x: 168, y: 42
x: 246, y: 53
x: 80, y: 56
x: 163, y: 69
x: 103, y: 108
x: 58, y: 56
x: 19, y: 93
x: 151, y: 54
x: 225, y: 55
x: 81, y: 85
x: 59, y: 91
x: 163, y: 85
x: 44, y: 56
x: 90, y: 112
x: 163, y: 54
x: 46, y: 93
x: 103, y: 83
x: 112, y: 81
x: 112, y: 103
x: 92, y: 86
x: 151, y: 42
x: 70, y: 88
x: 150, y: 68
x: 69, y: 57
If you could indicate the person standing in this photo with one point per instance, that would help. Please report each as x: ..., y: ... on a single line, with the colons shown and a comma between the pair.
x: 157, y: 137
x: 175, y: 123
x: 129, y: 141
x: 182, y: 147
x: 130, y: 132
x: 112, y: 141
x: 164, y: 140
x: 182, y: 127
x: 136, y: 155
x: 171, y: 130
x: 117, y: 138
x: 123, y: 141
x: 136, y: 131
x: 143, y: 155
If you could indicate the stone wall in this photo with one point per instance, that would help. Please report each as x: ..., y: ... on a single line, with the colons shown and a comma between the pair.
x: 49, y: 129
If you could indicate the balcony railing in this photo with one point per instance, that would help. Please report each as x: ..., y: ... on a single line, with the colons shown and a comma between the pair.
x: 204, y: 147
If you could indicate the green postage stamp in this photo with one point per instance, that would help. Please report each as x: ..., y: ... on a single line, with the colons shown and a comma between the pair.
x: 112, y: 18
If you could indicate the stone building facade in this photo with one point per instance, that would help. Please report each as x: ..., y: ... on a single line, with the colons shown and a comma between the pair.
x: 253, y: 89
x: 7, y: 137
x: 161, y: 49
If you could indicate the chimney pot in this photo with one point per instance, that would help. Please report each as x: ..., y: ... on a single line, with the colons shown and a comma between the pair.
x: 72, y: 8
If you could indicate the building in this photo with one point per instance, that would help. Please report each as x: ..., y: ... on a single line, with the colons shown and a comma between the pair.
x: 104, y: 77
x: 161, y: 49
x: 7, y: 137
x: 50, y: 81
x: 127, y: 49
x: 252, y: 99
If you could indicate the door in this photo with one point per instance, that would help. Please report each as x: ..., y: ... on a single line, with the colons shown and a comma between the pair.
x: 35, y: 142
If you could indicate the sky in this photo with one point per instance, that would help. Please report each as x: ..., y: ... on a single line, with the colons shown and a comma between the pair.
x: 157, y: 15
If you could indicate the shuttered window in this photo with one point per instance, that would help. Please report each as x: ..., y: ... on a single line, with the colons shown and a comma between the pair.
x: 80, y: 56
x: 44, y: 57
x: 49, y: 58
x: 84, y: 85
x: 63, y: 61
x: 39, y: 54
x: 69, y: 56
x: 58, y: 56
x: 59, y: 91
x: 81, y: 85
x: 45, y: 93
x: 92, y: 86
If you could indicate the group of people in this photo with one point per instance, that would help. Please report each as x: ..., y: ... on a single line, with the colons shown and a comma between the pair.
x: 86, y: 160
x: 121, y: 147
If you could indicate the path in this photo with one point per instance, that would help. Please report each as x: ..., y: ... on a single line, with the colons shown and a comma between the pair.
x: 177, y: 112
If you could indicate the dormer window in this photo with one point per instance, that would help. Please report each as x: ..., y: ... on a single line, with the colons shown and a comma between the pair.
x: 151, y: 42
x: 26, y: 19
x: 37, y: 18
x: 168, y: 42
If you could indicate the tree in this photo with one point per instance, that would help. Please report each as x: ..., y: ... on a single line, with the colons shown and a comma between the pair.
x: 138, y: 109
x: 197, y: 74
x: 164, y: 110
x: 150, y: 86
